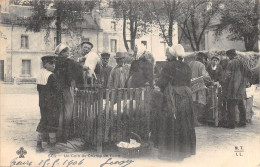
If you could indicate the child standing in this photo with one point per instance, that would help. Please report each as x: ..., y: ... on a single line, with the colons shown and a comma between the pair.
x: 49, y: 102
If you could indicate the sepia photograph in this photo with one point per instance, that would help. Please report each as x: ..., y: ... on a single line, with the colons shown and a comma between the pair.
x: 129, y: 83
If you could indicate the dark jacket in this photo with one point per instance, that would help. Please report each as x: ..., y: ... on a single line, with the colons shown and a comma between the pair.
x: 215, y: 75
x: 235, y: 78
x: 141, y: 71
x: 68, y: 70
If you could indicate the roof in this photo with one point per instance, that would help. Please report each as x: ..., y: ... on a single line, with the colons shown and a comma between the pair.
x: 87, y: 23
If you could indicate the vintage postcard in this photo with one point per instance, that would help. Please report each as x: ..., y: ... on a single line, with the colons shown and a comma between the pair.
x: 129, y: 83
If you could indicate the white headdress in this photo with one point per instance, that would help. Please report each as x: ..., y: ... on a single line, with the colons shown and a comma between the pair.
x: 59, y: 48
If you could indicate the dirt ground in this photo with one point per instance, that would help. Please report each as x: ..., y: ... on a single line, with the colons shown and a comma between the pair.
x: 215, y: 146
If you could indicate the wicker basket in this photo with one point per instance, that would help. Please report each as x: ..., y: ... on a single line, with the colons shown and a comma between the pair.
x: 137, y: 151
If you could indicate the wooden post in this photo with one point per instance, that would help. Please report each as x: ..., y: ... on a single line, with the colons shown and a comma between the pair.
x: 147, y: 109
x: 88, y: 115
x: 92, y: 117
x: 75, y: 109
x: 131, y: 109
x: 112, y: 115
x: 125, y: 113
x: 100, y: 120
x: 137, y: 111
x: 107, y: 124
x: 119, y: 95
x: 84, y: 115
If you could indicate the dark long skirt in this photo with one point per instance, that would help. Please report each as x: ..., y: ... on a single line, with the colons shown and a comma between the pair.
x: 176, y: 134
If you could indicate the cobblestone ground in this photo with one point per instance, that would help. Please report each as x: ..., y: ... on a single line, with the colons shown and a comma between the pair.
x: 215, y: 146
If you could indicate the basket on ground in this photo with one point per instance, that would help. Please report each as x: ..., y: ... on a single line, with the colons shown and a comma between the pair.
x: 143, y: 149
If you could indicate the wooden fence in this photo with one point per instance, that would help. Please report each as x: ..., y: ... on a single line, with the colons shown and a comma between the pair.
x: 108, y: 115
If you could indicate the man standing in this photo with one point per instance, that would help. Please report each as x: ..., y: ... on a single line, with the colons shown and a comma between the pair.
x: 103, y: 70
x: 89, y: 60
x: 199, y: 98
x: 235, y: 79
x: 119, y: 74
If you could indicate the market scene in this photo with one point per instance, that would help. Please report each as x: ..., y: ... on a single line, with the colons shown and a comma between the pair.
x: 170, y: 82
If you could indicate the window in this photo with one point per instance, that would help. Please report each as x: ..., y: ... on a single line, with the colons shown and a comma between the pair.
x: 128, y: 25
x: 26, y: 67
x: 113, y: 25
x: 144, y: 43
x: 113, y: 45
x: 24, y: 41
x: 83, y: 39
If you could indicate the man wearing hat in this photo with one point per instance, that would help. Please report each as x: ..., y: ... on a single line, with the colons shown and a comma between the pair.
x: 103, y: 70
x: 49, y: 100
x: 91, y: 59
x: 119, y: 74
x: 199, y: 98
x: 235, y: 79
x: 214, y: 69
x: 69, y: 74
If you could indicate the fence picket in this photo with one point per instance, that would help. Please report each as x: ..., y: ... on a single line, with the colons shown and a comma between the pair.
x: 100, y: 120
x: 112, y: 115
x: 107, y: 123
x: 119, y: 125
x: 88, y: 115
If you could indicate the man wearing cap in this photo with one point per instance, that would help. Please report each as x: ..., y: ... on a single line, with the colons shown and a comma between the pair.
x: 103, y: 70
x: 235, y: 79
x: 119, y: 74
x: 214, y: 69
x: 69, y: 74
x: 199, y: 98
x: 49, y: 102
x: 91, y: 59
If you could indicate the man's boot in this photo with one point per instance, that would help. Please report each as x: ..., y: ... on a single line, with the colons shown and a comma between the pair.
x: 39, y: 143
x: 196, y: 111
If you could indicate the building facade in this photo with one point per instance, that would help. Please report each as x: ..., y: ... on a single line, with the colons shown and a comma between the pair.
x: 21, y: 50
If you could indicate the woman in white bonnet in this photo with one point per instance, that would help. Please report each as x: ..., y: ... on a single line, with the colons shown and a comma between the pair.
x: 67, y: 71
x: 176, y: 133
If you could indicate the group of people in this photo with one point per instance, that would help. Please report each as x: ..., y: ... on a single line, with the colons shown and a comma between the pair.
x: 231, y: 76
x: 62, y: 73
x: 180, y: 109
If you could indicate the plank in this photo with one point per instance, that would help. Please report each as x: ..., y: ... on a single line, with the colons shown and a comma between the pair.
x: 100, y: 115
x: 107, y: 123
x: 119, y: 95
x: 112, y: 115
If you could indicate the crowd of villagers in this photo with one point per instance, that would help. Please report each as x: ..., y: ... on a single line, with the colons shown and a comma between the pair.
x: 175, y: 109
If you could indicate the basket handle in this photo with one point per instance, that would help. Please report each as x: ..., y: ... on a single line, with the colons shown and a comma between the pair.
x: 136, y: 135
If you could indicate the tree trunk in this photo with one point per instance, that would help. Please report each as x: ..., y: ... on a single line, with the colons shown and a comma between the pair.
x: 170, y: 29
x: 58, y: 27
x: 124, y: 32
x: 249, y: 42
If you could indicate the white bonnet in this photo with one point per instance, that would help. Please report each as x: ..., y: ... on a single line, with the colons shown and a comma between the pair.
x: 59, y: 48
x: 176, y: 50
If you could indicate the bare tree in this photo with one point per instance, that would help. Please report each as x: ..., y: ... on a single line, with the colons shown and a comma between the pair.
x: 196, y: 16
